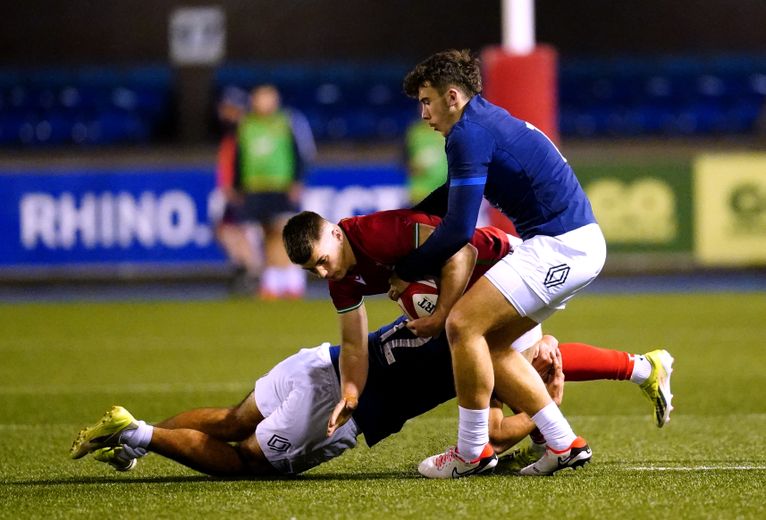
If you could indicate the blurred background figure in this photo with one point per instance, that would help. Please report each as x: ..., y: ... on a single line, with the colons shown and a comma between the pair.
x: 274, y: 146
x: 426, y: 160
x: 240, y: 241
x: 426, y: 164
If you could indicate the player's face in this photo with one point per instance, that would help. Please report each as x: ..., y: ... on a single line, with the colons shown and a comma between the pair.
x: 327, y: 260
x: 437, y: 109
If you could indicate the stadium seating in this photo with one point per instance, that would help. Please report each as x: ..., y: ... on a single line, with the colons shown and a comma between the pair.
x: 341, y: 101
x: 671, y: 96
x: 84, y: 106
x: 598, y: 97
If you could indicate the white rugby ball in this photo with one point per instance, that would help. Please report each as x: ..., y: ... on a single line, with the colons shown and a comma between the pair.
x: 419, y: 299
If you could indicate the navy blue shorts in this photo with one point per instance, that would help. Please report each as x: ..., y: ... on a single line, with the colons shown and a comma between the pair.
x: 262, y: 207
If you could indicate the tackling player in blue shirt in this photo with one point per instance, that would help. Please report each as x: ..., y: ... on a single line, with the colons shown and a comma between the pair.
x: 518, y: 169
x: 280, y: 427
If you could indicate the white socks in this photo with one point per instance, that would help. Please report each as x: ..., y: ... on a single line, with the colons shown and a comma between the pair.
x: 554, y: 427
x: 472, y: 432
x: 271, y: 281
x: 284, y: 281
x: 294, y: 280
x: 139, y: 437
x: 642, y: 369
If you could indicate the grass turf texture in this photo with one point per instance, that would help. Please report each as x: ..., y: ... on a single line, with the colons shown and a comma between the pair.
x: 64, y: 364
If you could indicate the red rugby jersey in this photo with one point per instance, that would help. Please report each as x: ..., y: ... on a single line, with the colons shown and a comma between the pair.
x: 380, y: 239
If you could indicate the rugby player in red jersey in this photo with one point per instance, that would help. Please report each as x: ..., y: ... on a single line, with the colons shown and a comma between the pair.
x: 357, y: 256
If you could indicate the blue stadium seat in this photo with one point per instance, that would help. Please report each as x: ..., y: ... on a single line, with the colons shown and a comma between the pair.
x: 598, y: 96
x: 86, y: 105
x: 673, y: 95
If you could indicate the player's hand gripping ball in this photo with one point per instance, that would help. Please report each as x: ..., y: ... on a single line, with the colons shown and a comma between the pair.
x: 419, y: 299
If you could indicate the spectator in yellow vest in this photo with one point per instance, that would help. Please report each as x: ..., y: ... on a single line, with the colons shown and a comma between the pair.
x: 273, y: 147
x: 231, y: 232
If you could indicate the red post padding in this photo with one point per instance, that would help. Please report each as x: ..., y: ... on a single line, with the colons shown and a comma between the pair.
x: 525, y: 85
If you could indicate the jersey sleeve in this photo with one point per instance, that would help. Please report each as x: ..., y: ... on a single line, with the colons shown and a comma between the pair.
x: 436, y: 202
x: 469, y: 152
x: 491, y: 244
x: 345, y: 295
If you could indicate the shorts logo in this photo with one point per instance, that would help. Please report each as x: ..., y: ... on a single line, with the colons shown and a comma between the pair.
x: 279, y: 444
x: 557, y: 275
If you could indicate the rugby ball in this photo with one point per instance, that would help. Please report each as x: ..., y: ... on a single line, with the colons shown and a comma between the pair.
x: 419, y: 299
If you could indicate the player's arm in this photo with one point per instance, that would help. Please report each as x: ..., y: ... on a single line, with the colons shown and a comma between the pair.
x: 507, y: 431
x: 468, y: 154
x: 454, y: 277
x: 353, y: 363
x: 436, y: 202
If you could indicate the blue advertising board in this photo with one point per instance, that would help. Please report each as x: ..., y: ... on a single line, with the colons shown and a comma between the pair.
x: 338, y: 192
x: 149, y: 218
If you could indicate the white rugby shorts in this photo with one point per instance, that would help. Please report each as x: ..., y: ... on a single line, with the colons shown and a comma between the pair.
x: 542, y: 273
x: 296, y: 398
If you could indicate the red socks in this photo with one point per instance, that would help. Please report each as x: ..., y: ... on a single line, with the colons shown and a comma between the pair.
x: 583, y: 362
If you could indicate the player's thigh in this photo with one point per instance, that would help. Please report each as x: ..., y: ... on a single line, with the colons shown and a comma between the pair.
x: 253, y: 457
x: 484, y: 309
x: 513, y: 336
x: 246, y: 414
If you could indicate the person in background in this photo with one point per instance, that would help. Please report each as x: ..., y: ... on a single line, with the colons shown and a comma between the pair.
x: 274, y: 146
x: 426, y: 163
x: 425, y: 159
x: 239, y: 241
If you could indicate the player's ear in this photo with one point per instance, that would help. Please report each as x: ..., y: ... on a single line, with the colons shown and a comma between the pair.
x: 452, y: 97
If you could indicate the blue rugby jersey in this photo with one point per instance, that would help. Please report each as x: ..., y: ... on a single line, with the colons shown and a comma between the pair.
x: 516, y: 167
x: 408, y: 376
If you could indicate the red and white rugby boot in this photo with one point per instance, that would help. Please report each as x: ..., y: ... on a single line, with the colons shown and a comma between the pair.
x: 576, y: 455
x: 451, y: 465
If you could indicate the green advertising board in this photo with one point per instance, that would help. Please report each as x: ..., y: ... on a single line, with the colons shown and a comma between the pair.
x: 642, y: 208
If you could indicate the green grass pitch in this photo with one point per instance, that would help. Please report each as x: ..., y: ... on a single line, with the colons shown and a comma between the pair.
x: 63, y: 364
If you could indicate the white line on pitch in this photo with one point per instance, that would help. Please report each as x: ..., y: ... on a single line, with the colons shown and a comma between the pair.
x: 693, y: 468
x: 125, y: 388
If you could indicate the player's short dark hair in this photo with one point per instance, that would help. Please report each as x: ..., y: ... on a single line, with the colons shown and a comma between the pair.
x: 300, y: 234
x: 445, y: 69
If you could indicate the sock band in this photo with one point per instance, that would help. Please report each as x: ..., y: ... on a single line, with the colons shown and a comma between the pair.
x: 642, y: 369
x: 472, y: 432
x: 554, y: 427
x: 138, y: 437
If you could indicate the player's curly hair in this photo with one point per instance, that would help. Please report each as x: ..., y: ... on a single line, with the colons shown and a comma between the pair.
x: 300, y: 234
x: 444, y: 69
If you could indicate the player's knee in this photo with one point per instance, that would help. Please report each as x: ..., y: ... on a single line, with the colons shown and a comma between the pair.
x: 459, y: 329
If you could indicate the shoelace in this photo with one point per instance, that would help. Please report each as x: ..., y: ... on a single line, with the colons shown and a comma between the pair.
x: 448, y: 456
